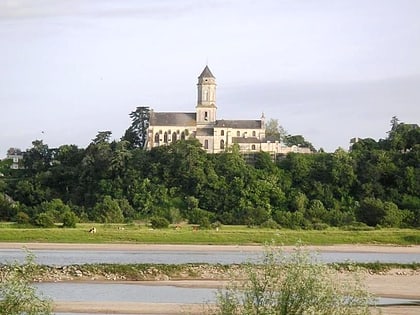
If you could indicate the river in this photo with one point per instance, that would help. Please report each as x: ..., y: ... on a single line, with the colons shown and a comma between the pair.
x: 74, y: 257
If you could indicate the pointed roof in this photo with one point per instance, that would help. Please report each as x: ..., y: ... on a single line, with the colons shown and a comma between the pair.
x: 206, y: 73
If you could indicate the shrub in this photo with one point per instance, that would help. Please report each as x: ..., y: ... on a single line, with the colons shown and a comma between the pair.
x: 69, y: 219
x: 18, y: 295
x: 22, y: 218
x: 270, y: 224
x: 159, y: 222
x: 44, y: 220
x: 291, y: 285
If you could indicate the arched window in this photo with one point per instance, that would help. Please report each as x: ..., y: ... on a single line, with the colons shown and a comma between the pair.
x: 238, y: 133
x: 165, y: 137
x: 222, y: 144
x: 206, y: 116
x: 156, y: 137
x: 182, y: 135
x: 254, y: 133
x: 174, y: 137
x: 206, y: 144
x: 253, y: 147
x: 222, y: 133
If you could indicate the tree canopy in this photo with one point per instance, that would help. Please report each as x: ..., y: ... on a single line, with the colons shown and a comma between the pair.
x: 375, y: 184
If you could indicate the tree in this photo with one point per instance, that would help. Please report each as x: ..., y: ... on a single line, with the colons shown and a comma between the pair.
x: 292, y: 285
x: 108, y: 211
x: 274, y: 131
x: 136, y: 134
x: 299, y: 141
x: 17, y: 294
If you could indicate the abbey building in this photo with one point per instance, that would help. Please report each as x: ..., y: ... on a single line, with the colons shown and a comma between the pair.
x: 215, y: 135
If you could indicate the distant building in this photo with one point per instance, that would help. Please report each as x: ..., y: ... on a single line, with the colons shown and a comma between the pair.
x: 16, y: 155
x: 215, y: 135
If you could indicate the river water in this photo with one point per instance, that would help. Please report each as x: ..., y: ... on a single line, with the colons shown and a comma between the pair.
x: 73, y: 257
x: 165, y: 294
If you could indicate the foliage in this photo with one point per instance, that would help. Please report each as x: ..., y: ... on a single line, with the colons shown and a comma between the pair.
x: 45, y: 220
x: 376, y: 183
x: 293, y: 284
x: 17, y: 294
x: 159, y: 222
x: 69, y: 219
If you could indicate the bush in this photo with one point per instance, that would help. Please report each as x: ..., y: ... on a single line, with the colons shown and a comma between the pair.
x: 159, y: 222
x: 44, y: 220
x: 270, y: 224
x: 292, y: 284
x: 69, y: 219
x: 18, y: 295
x: 22, y: 218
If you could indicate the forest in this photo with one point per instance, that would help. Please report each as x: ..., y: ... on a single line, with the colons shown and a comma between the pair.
x: 375, y: 184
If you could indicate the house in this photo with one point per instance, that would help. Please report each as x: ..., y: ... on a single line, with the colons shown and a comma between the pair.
x: 16, y: 156
x: 215, y: 135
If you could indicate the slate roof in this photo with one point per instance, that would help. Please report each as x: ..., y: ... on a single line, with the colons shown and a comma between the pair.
x: 246, y: 140
x: 172, y: 119
x: 239, y: 124
x: 206, y: 73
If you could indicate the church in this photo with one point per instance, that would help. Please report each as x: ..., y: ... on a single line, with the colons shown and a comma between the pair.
x: 215, y: 135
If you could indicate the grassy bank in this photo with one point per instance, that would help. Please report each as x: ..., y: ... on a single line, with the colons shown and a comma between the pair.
x: 237, y: 235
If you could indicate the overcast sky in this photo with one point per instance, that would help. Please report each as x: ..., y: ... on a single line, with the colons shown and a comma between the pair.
x: 327, y: 69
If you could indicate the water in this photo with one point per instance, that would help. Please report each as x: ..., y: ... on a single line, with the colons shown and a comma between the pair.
x: 99, y: 292
x: 73, y: 257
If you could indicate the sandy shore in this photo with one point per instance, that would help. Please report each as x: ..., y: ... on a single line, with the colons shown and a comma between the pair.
x: 395, y: 283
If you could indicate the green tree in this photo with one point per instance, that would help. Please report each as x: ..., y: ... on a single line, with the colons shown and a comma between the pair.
x: 274, y: 131
x: 17, y: 294
x: 108, y: 211
x: 292, y: 285
x: 136, y: 134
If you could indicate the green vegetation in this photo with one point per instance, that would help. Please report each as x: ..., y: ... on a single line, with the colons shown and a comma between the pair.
x: 240, y: 235
x: 374, y: 185
x: 292, y: 285
x: 17, y: 294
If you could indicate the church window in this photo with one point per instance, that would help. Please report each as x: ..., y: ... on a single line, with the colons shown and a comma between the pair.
x: 253, y: 147
x: 254, y: 133
x: 206, y: 144
x: 157, y: 137
x: 206, y: 116
x: 222, y: 144
x: 174, y: 137
x: 165, y: 137
x: 222, y: 133
x: 238, y: 133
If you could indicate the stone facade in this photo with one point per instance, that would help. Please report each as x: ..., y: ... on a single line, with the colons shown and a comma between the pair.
x: 215, y: 135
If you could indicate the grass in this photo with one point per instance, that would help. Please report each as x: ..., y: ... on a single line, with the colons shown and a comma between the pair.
x: 236, y: 235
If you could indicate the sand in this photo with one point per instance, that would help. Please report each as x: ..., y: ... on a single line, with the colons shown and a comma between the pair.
x: 395, y: 283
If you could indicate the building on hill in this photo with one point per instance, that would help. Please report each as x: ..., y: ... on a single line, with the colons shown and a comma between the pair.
x: 215, y: 135
x: 16, y: 155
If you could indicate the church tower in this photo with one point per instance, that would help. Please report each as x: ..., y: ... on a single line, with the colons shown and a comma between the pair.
x: 206, y: 99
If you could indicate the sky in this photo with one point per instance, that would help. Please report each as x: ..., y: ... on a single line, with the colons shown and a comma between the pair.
x: 326, y: 69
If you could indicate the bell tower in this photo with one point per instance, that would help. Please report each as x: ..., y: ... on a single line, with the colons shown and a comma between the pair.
x: 206, y: 98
